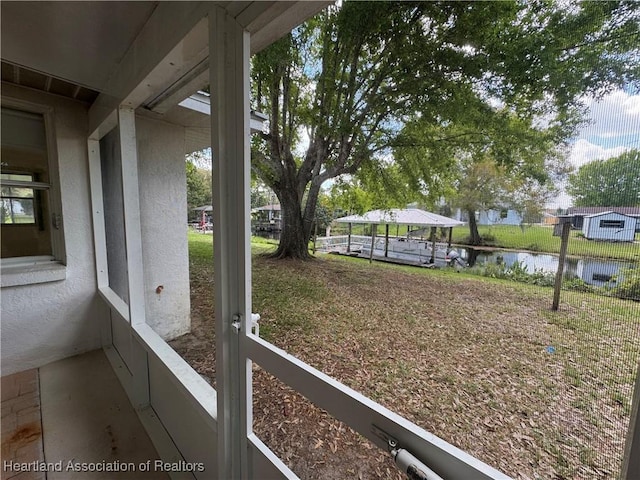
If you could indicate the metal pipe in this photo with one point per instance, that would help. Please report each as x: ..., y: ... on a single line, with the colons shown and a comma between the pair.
x: 414, y: 468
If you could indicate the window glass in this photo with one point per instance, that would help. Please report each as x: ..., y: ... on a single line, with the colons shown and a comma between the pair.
x: 611, y: 223
x: 25, y: 212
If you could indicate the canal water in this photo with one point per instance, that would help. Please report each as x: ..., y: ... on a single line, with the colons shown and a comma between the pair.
x: 595, y: 272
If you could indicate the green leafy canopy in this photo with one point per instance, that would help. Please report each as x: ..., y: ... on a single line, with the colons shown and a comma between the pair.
x: 402, y: 96
x: 608, y: 183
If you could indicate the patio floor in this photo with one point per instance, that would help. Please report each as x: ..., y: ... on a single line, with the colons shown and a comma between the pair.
x: 75, y: 416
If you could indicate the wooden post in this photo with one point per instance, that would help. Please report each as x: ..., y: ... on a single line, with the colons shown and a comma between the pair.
x: 433, y: 244
x: 374, y: 229
x: 450, y: 235
x: 566, y: 229
x: 349, y: 239
x: 386, y: 240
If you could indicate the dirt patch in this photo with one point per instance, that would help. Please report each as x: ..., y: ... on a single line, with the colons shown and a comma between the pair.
x: 483, y: 365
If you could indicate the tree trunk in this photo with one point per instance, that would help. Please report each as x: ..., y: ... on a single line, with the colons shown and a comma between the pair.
x: 293, y: 240
x: 474, y: 235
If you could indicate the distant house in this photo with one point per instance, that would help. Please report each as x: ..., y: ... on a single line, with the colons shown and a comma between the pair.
x: 266, y: 219
x: 610, y: 226
x: 499, y: 217
x: 579, y: 213
x: 549, y: 218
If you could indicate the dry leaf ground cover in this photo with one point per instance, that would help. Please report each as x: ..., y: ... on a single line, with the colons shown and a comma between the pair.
x: 483, y: 364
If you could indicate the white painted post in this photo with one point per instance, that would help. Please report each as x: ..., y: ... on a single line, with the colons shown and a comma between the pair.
x: 229, y: 80
x: 131, y: 206
x: 133, y: 243
x: 99, y: 235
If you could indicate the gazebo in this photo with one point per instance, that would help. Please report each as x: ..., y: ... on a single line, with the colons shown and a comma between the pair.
x: 397, y: 216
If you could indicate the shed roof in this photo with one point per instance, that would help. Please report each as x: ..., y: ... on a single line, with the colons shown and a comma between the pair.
x: 633, y: 211
x: 608, y: 213
x: 407, y: 216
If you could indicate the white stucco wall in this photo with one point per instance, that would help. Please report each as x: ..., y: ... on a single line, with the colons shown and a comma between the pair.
x: 49, y: 321
x: 163, y: 203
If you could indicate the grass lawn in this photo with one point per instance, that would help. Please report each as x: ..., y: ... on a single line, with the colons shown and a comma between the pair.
x: 540, y: 239
x: 482, y: 363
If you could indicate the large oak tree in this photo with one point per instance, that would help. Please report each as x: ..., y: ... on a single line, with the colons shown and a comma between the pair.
x: 365, y: 80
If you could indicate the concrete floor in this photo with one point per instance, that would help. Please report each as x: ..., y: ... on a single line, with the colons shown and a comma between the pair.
x: 88, y: 424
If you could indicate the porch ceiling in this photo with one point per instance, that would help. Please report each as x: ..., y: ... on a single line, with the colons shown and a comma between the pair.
x: 80, y: 42
x: 86, y: 43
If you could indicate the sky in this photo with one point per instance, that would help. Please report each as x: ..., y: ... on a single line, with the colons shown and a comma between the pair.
x: 613, y: 129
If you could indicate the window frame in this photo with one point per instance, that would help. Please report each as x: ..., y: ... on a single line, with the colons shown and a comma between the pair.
x: 53, y: 188
x: 610, y: 223
x: 32, y: 185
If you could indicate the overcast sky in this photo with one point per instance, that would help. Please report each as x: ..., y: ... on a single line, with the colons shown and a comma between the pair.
x: 614, y: 128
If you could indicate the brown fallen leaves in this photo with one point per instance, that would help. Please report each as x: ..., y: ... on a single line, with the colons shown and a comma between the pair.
x: 463, y: 358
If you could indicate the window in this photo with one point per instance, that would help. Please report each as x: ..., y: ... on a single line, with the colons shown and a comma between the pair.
x: 28, y: 217
x: 18, y: 200
x: 619, y: 224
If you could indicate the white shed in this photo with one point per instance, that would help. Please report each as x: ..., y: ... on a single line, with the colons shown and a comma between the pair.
x: 609, y: 226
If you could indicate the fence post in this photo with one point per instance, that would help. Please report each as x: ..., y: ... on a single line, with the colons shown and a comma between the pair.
x: 566, y: 228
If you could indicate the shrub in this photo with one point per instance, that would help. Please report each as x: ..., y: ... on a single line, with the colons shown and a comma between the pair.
x: 488, y: 238
x: 630, y: 286
x: 517, y: 272
x: 578, y: 285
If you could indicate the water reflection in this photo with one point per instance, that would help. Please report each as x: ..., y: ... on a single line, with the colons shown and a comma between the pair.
x: 592, y: 271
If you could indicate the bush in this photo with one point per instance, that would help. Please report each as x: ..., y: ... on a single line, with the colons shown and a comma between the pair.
x: 488, y: 238
x: 517, y: 272
x: 630, y: 286
x: 578, y: 285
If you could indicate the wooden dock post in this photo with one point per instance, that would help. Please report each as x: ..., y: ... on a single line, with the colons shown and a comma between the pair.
x: 374, y: 229
x: 386, y: 240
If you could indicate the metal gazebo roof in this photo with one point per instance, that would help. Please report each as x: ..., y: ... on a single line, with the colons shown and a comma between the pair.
x: 406, y: 216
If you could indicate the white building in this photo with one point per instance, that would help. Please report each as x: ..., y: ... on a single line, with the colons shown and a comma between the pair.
x: 499, y: 217
x: 609, y: 226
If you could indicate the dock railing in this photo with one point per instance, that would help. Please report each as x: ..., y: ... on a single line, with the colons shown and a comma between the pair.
x: 340, y: 243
